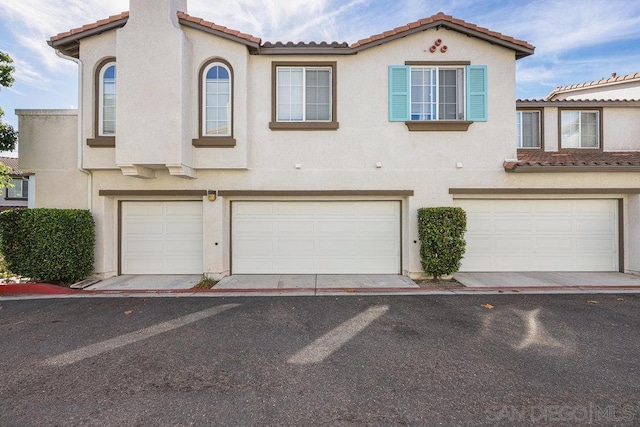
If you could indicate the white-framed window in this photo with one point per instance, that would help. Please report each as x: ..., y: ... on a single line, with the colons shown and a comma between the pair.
x: 437, y: 93
x: 107, y: 100
x: 304, y: 94
x: 426, y: 93
x: 20, y: 189
x: 580, y: 129
x: 528, y: 129
x: 216, y: 100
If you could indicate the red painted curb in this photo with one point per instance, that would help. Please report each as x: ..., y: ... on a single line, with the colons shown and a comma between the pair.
x: 35, y: 289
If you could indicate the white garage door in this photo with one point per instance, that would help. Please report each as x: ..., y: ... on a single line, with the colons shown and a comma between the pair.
x: 161, y: 238
x: 316, y: 237
x: 541, y: 235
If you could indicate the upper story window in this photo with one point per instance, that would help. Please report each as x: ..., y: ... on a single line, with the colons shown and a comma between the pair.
x: 424, y: 92
x: 107, y: 114
x: 217, y: 101
x: 580, y: 128
x: 216, y: 105
x: 304, y: 96
x: 20, y: 189
x: 528, y: 129
x: 437, y: 93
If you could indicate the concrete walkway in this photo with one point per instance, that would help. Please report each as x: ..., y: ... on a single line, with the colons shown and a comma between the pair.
x: 539, y: 279
x: 315, y: 281
x: 128, y: 282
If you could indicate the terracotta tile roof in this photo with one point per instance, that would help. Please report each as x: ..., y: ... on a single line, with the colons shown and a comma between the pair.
x: 101, y: 23
x: 12, y: 162
x: 208, y: 24
x: 611, y: 80
x: 124, y: 16
x: 441, y: 18
x: 575, y: 159
x: 67, y: 41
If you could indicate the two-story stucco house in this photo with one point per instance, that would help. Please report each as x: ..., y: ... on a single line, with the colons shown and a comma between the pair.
x: 201, y: 149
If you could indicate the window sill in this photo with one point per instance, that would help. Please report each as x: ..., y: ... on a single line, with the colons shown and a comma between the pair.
x: 102, y: 141
x: 17, y: 198
x: 574, y: 149
x: 303, y: 125
x: 214, y: 141
x: 438, y: 125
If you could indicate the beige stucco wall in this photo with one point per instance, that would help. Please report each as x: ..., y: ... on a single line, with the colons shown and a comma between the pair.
x: 620, y: 127
x: 48, y: 146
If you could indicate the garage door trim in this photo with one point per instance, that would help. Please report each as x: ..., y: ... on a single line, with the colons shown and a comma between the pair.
x: 120, y: 222
x: 619, y: 203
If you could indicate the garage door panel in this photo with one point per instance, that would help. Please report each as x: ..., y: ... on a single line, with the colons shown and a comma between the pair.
x: 293, y: 208
x: 377, y: 209
x: 144, y: 246
x: 387, y: 247
x: 479, y: 223
x: 337, y: 227
x: 337, y: 247
x: 318, y: 237
x: 509, y: 224
x: 478, y: 244
x: 184, y: 227
x: 334, y: 209
x: 292, y: 265
x: 541, y: 235
x: 254, y: 246
x: 552, y: 225
x: 143, y: 227
x: 295, y: 227
x: 295, y: 246
x: 385, y: 227
x: 601, y: 244
x: 250, y: 227
x: 512, y: 243
x: 146, y: 210
x: 591, y: 225
x: 161, y: 238
x: 552, y: 244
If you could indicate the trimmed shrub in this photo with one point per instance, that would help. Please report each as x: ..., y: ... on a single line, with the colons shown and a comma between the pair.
x: 442, y: 243
x: 48, y: 244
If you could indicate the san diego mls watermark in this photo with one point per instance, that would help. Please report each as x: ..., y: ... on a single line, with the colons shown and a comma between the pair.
x: 586, y: 414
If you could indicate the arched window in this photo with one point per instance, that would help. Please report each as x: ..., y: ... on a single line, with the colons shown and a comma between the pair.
x: 107, y: 100
x: 217, y: 100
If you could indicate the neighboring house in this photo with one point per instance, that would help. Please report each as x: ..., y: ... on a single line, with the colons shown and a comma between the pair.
x: 18, y: 196
x: 205, y: 150
x: 614, y: 88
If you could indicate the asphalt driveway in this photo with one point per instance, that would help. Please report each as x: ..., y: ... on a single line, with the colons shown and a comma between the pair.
x: 420, y: 360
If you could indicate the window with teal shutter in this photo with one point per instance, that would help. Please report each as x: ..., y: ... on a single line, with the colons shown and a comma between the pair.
x: 398, y: 93
x: 477, y: 93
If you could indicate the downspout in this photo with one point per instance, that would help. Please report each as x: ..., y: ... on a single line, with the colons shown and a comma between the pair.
x: 80, y: 145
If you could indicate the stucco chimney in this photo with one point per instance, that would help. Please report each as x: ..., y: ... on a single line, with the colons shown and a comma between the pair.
x: 156, y: 12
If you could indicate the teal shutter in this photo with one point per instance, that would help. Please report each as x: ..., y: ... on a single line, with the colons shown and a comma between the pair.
x: 477, y: 93
x: 398, y: 93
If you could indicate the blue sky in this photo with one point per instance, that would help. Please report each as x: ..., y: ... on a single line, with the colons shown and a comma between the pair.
x: 576, y: 40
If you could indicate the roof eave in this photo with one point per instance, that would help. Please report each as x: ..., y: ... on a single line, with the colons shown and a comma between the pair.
x: 570, y: 169
x: 206, y: 29
x: 70, y: 44
x: 521, y: 51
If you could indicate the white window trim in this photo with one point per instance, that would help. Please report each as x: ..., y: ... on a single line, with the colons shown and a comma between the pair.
x: 580, y: 147
x: 104, y: 68
x: 519, y: 141
x: 24, y: 185
x: 204, y: 101
x: 304, y: 93
x: 462, y: 95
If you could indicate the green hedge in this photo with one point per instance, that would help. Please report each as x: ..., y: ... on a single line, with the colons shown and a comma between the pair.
x: 48, y: 244
x: 441, y: 232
